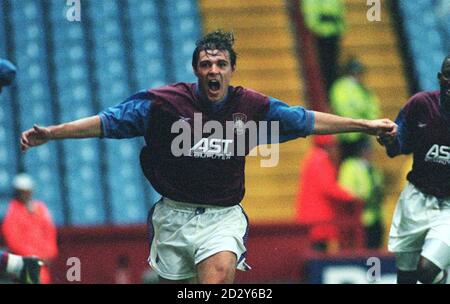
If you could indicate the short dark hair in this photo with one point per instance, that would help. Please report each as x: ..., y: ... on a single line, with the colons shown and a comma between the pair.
x: 217, y: 40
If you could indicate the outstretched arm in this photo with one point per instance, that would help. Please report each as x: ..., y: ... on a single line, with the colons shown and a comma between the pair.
x: 296, y: 121
x: 82, y: 128
x: 331, y: 124
x: 125, y: 120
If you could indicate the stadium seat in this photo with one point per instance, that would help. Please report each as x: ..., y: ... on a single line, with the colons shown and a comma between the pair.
x: 427, y: 38
x: 8, y: 144
x: 84, y: 188
x: 7, y: 156
x: 82, y: 159
x: 146, y: 38
x: 183, y: 22
x: 33, y: 100
x: 89, y: 175
x: 128, y: 202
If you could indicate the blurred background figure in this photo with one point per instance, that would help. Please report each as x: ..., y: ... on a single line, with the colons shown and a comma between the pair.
x: 359, y: 177
x: 123, y: 275
x: 350, y: 97
x: 7, y: 73
x: 320, y: 195
x: 28, y: 228
x: 326, y: 20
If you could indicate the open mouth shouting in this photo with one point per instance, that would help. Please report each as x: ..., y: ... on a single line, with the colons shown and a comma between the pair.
x: 214, y: 73
x: 214, y: 90
x: 214, y: 85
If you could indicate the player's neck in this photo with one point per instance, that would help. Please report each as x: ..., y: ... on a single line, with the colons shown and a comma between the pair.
x: 445, y: 104
x: 208, y: 103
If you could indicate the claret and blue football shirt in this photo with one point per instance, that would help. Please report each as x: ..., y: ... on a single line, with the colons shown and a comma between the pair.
x: 424, y: 130
x: 209, y: 170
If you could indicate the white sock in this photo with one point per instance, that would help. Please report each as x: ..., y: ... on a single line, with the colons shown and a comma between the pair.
x: 14, y: 265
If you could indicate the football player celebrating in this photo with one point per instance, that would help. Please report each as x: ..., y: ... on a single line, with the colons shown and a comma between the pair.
x: 420, y: 231
x: 199, y: 228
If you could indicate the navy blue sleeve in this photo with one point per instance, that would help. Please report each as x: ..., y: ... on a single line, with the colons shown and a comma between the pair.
x: 127, y: 119
x: 294, y: 121
x: 404, y: 141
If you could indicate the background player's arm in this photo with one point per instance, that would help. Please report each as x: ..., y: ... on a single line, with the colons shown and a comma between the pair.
x: 82, y: 128
x: 391, y: 144
x: 406, y: 137
x: 331, y: 124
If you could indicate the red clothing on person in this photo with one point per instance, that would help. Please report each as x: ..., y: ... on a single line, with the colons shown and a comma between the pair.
x: 31, y: 233
x: 319, y: 194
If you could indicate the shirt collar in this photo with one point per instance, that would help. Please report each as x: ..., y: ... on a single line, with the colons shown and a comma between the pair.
x: 216, y: 106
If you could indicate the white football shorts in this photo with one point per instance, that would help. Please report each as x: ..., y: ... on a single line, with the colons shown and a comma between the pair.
x: 420, y: 227
x: 182, y: 235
